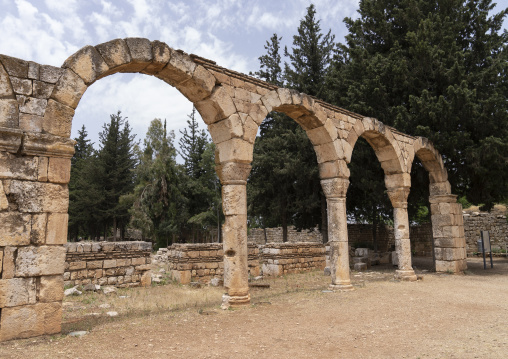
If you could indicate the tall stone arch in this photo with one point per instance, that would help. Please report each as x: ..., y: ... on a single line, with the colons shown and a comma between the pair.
x: 449, y: 242
x: 37, y: 104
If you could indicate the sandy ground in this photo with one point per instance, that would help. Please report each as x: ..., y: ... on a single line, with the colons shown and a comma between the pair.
x: 441, y: 316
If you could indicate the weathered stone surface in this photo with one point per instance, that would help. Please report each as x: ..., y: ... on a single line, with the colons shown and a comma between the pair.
x: 17, y: 291
x: 87, y: 63
x: 234, y: 199
x: 9, y: 115
x: 9, y: 267
x: 27, y: 196
x: 15, y: 167
x: 140, y: 50
x: 51, y: 289
x: 31, y: 105
x: 161, y: 53
x: 226, y: 129
x: 42, y: 90
x: 235, y: 149
x: 50, y: 74
x: 38, y: 229
x: 115, y: 53
x: 69, y: 89
x: 47, y: 145
x: 30, y: 123
x: 30, y: 320
x: 4, y: 203
x: 21, y: 86
x: 58, y: 119
x: 6, y: 91
x: 14, y: 67
x: 42, y: 175
x: 233, y: 171
x: 217, y: 107
x: 59, y: 170
x: 36, y: 261
x: 15, y: 229
x: 33, y: 70
x: 335, y: 187
x: 57, y: 228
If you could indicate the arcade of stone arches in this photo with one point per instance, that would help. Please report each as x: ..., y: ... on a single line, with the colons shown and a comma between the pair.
x: 37, y: 104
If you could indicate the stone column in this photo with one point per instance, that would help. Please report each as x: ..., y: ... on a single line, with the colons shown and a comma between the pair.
x: 335, y: 190
x: 398, y: 197
x: 34, y: 172
x: 448, y: 233
x: 233, y: 177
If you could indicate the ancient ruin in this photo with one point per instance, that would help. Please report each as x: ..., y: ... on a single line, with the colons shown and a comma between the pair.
x: 37, y: 104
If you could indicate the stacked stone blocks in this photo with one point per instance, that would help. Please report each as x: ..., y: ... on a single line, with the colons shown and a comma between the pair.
x: 286, y: 258
x: 121, y: 264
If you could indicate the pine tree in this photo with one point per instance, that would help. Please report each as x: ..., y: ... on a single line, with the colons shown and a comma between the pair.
x: 434, y: 69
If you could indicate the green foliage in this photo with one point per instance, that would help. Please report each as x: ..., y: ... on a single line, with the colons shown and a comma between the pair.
x: 434, y: 69
x: 284, y: 187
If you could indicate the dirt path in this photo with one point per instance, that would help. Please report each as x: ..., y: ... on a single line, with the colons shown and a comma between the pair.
x: 442, y: 316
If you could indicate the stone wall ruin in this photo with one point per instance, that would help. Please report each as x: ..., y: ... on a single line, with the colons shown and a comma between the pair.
x: 37, y: 104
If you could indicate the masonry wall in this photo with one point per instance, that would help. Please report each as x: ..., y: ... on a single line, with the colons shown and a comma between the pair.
x: 285, y: 258
x: 495, y: 222
x: 203, y: 261
x: 121, y: 264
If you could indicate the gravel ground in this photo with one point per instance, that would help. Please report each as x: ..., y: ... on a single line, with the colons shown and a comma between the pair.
x: 441, y: 316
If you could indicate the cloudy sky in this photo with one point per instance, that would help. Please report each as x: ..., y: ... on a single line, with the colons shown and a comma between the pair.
x: 230, y: 32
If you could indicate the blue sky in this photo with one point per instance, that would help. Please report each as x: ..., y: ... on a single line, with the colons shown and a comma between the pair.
x: 230, y: 32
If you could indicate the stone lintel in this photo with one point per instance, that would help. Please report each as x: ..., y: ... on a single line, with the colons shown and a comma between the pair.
x: 48, y: 145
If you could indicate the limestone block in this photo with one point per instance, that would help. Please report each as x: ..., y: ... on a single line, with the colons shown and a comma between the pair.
x: 250, y: 130
x: 321, y: 135
x: 33, y: 70
x: 9, y: 115
x: 14, y: 167
x: 199, y: 87
x: 59, y: 170
x: 31, y: 105
x: 109, y: 263
x: 58, y: 119
x: 6, y: 91
x: 179, y: 69
x: 328, y: 152
x: 9, y: 267
x: 30, y: 320
x: 42, y: 90
x: 216, y: 107
x: 451, y: 242
x: 397, y: 180
x: 115, y: 53
x: 332, y: 169
x: 398, y: 198
x: 271, y: 100
x: 50, y: 74
x: 1, y: 261
x: 4, y: 203
x: 285, y: 96
x: 17, y: 291
x: 14, y: 67
x: 87, y: 63
x: 440, y: 175
x: 140, y: 50
x: 69, y: 89
x: 51, y: 289
x: 21, y: 86
x: 226, y: 129
x: 38, y: 229
x: 235, y: 149
x: 242, y: 94
x: 453, y: 266
x: 15, y: 229
x: 161, y: 54
x: 44, y: 260
x: 30, y: 123
x: 258, y: 113
x: 57, y: 228
x: 37, y: 197
x: 440, y: 188
x: 234, y: 199
x: 441, y: 220
x: 146, y: 279
x: 42, y: 175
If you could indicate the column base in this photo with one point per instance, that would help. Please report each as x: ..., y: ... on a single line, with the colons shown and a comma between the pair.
x: 342, y: 287
x: 406, y: 275
x: 234, y: 300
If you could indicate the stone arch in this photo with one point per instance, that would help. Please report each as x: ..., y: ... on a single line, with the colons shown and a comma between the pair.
x: 449, y: 243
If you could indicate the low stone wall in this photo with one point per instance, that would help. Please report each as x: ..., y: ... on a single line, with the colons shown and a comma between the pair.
x: 204, y: 261
x: 121, y: 264
x: 274, y: 235
x: 284, y: 258
x: 495, y: 222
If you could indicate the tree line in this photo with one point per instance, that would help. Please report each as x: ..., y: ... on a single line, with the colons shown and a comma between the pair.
x: 125, y: 184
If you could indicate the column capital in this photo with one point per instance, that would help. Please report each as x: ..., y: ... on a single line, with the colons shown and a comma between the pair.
x: 398, y: 196
x: 233, y: 172
x: 335, y: 187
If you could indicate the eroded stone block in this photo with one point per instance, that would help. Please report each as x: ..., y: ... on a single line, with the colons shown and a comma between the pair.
x: 36, y: 261
x: 15, y: 229
x: 58, y: 119
x: 87, y: 63
x: 57, y: 228
x: 59, y: 170
x: 51, y: 289
x: 37, y: 197
x: 17, y: 291
x: 69, y: 89
x: 9, y: 115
